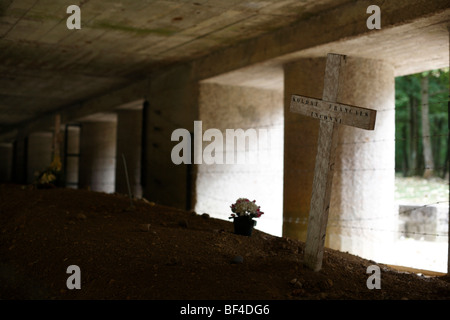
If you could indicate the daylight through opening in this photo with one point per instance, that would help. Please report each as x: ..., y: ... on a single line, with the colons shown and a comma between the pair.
x: 422, y: 172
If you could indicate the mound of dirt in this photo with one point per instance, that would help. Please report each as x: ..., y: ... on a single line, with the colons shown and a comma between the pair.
x: 150, y: 251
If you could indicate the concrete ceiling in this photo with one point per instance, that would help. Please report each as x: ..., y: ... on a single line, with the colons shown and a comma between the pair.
x: 45, y: 67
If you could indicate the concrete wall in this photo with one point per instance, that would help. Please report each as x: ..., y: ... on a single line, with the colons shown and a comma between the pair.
x: 225, y: 107
x: 362, y: 199
x: 39, y: 155
x: 129, y: 136
x: 98, y: 156
x: 6, y: 158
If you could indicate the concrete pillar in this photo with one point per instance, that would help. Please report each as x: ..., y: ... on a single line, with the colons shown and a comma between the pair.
x: 98, y: 156
x: 252, y: 109
x: 19, y: 165
x: 173, y: 104
x: 71, y: 156
x: 6, y: 156
x: 362, y: 212
x: 129, y: 137
x: 39, y: 155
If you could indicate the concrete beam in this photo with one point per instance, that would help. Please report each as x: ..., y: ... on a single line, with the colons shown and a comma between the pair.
x: 100, y: 104
x: 339, y: 24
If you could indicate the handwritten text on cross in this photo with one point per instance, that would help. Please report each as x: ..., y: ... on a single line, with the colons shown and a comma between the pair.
x: 334, y: 112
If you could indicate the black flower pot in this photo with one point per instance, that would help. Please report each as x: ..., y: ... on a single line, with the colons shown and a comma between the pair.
x: 244, y: 225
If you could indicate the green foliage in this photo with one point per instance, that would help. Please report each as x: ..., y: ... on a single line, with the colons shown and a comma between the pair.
x: 408, y: 121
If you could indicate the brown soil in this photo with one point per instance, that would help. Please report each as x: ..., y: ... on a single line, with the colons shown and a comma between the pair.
x: 157, y: 252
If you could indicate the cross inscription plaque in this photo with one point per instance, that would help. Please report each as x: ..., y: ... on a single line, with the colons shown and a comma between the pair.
x: 331, y: 114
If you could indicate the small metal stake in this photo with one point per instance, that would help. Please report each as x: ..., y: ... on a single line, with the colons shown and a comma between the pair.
x: 128, y: 181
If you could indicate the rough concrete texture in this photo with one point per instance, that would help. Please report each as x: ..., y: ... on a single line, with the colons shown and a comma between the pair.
x: 39, y: 154
x: 129, y: 137
x: 363, y: 185
x: 218, y: 186
x: 98, y: 156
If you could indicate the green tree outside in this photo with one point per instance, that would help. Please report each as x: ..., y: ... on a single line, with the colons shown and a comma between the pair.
x: 409, y: 133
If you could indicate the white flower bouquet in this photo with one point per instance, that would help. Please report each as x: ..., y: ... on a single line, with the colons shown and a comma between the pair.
x: 245, y: 207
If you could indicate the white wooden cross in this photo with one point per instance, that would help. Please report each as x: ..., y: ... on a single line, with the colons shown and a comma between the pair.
x: 331, y: 114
